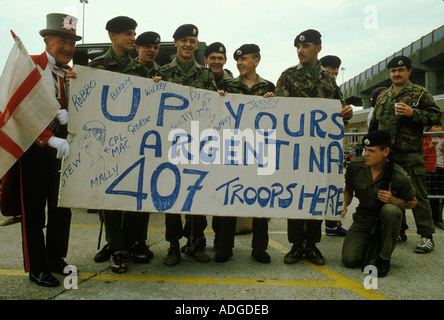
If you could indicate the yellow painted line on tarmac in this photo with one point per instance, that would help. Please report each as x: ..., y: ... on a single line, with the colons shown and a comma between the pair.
x: 336, y: 279
x: 339, y: 280
x: 203, y: 280
x: 346, y: 283
x: 6, y: 272
x: 190, y: 280
x: 98, y: 227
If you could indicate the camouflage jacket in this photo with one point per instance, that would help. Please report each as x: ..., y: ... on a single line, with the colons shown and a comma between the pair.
x: 407, y: 133
x: 296, y: 81
x: 198, y: 77
x: 260, y: 87
x: 107, y: 62
x: 154, y: 71
x: 227, y: 75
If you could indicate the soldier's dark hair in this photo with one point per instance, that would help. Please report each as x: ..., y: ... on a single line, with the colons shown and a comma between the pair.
x: 386, y: 145
x: 256, y: 55
x: 375, y: 93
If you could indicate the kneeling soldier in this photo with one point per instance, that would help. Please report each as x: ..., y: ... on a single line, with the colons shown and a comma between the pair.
x: 383, y: 189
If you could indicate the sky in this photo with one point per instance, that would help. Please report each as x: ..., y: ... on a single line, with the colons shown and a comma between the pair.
x: 361, y: 33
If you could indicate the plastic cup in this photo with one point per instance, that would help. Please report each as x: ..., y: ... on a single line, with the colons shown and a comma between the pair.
x: 397, y: 105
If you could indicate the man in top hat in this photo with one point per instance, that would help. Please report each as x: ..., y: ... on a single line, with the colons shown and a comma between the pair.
x: 308, y: 79
x: 248, y: 82
x: 215, y: 57
x: 403, y: 110
x: 41, y: 163
x: 120, y: 236
x: 147, y: 46
x: 365, y: 178
x: 186, y: 71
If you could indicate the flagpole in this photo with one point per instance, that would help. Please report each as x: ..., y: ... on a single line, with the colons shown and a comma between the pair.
x: 83, y: 20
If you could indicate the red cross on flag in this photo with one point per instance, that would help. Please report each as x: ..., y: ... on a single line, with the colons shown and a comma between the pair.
x: 27, y: 104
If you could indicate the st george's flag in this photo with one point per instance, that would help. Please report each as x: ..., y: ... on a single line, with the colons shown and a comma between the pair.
x: 27, y: 104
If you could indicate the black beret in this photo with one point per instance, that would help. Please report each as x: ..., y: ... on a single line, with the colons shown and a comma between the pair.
x: 149, y: 37
x: 186, y: 30
x: 120, y: 24
x: 331, y: 61
x: 307, y: 36
x: 215, y: 47
x: 376, y: 138
x: 246, y: 49
x: 399, y: 61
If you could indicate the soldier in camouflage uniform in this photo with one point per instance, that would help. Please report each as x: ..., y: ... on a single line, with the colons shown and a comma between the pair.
x: 332, y: 65
x: 120, y: 237
x: 215, y: 57
x: 250, y: 83
x: 308, y: 79
x: 147, y: 46
x: 405, y: 123
x: 186, y: 71
x: 118, y: 58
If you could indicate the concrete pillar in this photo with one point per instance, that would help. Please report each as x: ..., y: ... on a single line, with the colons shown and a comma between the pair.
x: 430, y: 82
x: 366, y: 100
x: 366, y: 103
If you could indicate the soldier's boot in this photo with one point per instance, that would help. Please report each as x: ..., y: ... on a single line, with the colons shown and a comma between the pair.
x: 173, y: 257
x: 196, y: 250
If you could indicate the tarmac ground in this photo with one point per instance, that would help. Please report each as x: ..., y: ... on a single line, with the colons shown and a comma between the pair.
x: 412, y: 276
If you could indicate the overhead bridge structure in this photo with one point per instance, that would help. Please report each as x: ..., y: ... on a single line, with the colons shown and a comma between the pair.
x: 427, y: 55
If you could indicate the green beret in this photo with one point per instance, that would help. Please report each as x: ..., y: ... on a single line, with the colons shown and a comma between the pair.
x: 330, y: 61
x: 399, y: 61
x: 307, y: 36
x: 120, y: 24
x: 149, y: 37
x: 215, y: 47
x: 186, y: 30
x: 246, y: 49
x: 376, y: 138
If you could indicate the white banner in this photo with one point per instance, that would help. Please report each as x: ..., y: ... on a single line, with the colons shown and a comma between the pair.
x: 137, y: 145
